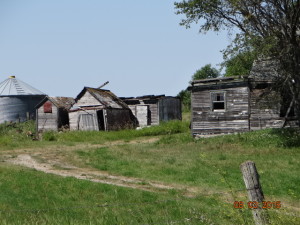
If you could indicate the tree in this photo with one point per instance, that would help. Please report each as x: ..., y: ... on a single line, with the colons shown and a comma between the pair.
x: 239, y: 64
x: 269, y: 27
x: 185, y: 97
x: 205, y: 72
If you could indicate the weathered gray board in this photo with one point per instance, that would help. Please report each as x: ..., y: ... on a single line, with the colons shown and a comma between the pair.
x: 247, y: 105
x: 52, y: 113
x: 117, y: 119
x: 87, y: 122
x: 235, y: 117
x: 154, y: 114
x: 161, y: 108
x: 265, y: 113
x: 47, y: 121
x: 142, y: 114
x: 101, y: 119
x: 169, y: 109
x: 76, y: 122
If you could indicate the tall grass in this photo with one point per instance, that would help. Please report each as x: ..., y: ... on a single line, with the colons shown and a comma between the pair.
x: 16, y: 135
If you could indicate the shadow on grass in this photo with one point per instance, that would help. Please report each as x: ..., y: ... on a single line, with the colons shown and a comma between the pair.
x: 287, y: 137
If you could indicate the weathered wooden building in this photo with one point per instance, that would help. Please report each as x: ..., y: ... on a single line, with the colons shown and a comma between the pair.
x: 230, y: 105
x: 152, y: 109
x: 52, y: 113
x: 99, y: 109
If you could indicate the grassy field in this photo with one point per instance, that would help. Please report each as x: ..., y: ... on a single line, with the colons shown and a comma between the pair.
x: 204, y: 173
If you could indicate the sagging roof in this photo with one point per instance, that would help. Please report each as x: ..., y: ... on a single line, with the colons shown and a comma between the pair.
x: 13, y: 87
x: 144, y: 97
x: 104, y: 97
x: 264, y: 70
x: 218, y: 83
x: 60, y: 102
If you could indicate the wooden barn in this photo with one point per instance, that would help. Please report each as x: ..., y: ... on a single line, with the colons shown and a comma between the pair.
x: 152, y: 109
x: 99, y: 109
x: 232, y: 105
x: 52, y: 113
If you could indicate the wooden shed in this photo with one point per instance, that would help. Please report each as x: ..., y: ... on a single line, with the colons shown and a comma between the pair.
x: 52, y: 113
x: 152, y: 109
x: 99, y: 109
x: 232, y: 105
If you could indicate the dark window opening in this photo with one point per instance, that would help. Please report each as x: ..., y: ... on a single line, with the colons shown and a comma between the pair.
x: 218, y: 101
x: 218, y: 105
x: 48, y: 107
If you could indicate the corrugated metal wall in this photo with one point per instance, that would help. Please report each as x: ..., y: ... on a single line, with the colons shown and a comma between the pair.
x: 16, y: 108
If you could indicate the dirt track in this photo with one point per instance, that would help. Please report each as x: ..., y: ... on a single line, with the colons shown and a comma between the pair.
x: 54, y: 160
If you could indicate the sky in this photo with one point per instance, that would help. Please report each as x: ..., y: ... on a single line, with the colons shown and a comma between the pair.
x: 60, y: 46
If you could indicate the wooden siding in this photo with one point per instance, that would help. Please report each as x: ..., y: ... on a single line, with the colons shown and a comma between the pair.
x: 47, y: 121
x: 86, y: 100
x: 169, y: 109
x: 154, y: 114
x: 142, y: 115
x: 74, y: 119
x: 265, y: 112
x: 118, y: 119
x: 235, y: 117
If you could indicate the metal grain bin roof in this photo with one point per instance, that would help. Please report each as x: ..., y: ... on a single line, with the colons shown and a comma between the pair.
x: 13, y: 87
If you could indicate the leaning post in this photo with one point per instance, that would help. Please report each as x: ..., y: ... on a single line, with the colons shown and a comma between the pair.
x: 255, y: 193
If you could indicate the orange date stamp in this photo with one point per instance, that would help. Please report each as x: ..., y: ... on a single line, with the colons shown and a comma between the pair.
x: 256, y: 205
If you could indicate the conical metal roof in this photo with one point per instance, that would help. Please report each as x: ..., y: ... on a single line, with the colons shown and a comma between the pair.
x: 13, y: 86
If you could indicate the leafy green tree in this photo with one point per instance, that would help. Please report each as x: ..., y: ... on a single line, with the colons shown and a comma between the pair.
x: 239, y: 64
x: 185, y: 97
x: 205, y: 72
x: 268, y: 27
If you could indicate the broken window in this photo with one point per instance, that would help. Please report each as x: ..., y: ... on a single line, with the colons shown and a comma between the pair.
x: 218, y: 101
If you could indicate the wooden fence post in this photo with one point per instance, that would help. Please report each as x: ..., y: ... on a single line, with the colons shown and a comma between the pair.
x: 255, y: 193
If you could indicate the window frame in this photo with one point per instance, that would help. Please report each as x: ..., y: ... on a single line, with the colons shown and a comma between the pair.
x: 214, y: 93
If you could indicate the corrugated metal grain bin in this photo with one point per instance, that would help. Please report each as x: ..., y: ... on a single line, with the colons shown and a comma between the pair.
x: 18, y: 100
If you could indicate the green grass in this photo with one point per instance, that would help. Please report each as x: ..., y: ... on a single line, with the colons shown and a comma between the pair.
x: 207, y: 163
x: 15, y: 136
x: 211, y: 165
x: 31, y: 197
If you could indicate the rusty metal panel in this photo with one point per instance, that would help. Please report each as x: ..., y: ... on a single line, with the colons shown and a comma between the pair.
x: 47, y: 107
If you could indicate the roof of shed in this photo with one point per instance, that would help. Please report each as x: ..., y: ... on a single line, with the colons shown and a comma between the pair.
x: 59, y: 102
x: 13, y: 86
x: 144, y: 97
x: 104, y: 97
x: 264, y: 70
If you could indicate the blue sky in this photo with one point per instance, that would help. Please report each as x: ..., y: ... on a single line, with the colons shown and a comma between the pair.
x: 60, y: 46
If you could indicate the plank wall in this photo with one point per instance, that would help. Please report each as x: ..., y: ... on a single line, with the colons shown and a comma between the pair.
x: 265, y: 112
x: 169, y: 109
x: 47, y: 121
x: 86, y: 100
x: 235, y: 117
